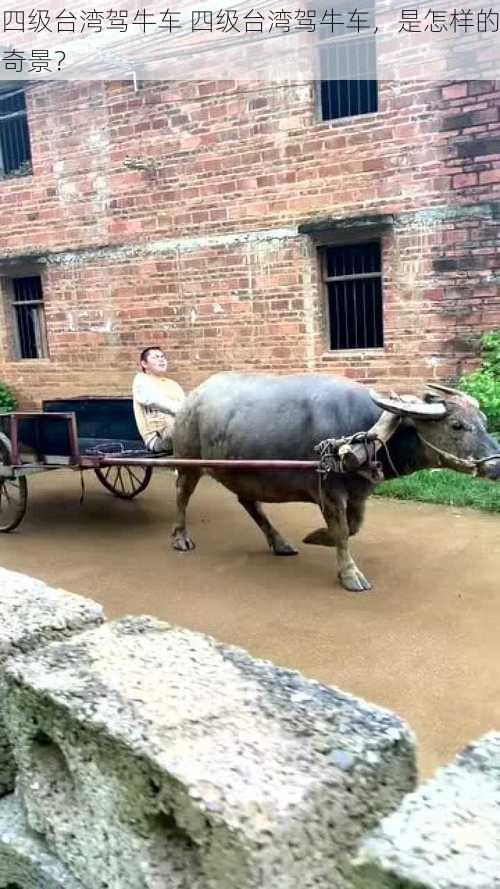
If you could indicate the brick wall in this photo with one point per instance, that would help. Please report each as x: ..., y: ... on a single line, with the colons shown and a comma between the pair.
x: 171, y: 215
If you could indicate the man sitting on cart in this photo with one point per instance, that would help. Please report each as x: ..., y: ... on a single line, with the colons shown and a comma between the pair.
x: 156, y: 401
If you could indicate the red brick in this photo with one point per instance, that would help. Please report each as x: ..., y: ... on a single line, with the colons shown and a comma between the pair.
x: 490, y: 176
x: 217, y: 162
x: 464, y: 180
x: 455, y: 91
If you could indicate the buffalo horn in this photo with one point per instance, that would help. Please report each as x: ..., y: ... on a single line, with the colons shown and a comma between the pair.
x: 409, y: 406
x: 451, y: 391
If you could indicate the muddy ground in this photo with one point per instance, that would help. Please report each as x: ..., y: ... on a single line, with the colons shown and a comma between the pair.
x: 425, y: 642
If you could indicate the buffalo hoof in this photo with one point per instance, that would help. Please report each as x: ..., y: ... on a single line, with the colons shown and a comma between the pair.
x: 183, y: 543
x: 354, y: 581
x: 282, y: 548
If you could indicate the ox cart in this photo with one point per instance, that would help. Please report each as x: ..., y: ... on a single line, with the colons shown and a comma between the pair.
x: 85, y: 433
x: 73, y: 433
x: 99, y: 433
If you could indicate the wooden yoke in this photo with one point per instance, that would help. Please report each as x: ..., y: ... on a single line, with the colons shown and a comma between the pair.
x: 353, y: 455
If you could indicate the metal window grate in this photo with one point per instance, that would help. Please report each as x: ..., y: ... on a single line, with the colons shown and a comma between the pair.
x: 358, y: 95
x: 15, y: 147
x: 353, y: 277
x: 29, y: 317
x: 347, y: 60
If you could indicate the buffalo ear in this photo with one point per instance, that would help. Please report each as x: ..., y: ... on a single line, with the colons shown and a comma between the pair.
x: 410, y: 406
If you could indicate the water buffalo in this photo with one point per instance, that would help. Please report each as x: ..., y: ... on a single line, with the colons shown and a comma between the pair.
x: 249, y: 416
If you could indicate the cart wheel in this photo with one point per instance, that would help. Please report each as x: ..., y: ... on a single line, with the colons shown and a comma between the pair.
x: 13, y: 492
x: 124, y: 481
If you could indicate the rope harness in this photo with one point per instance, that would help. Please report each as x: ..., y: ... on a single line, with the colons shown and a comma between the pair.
x: 336, y: 455
x: 471, y: 465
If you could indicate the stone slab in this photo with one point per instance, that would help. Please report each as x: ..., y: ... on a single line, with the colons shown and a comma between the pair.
x: 446, y: 835
x: 25, y: 861
x: 151, y: 757
x: 31, y: 614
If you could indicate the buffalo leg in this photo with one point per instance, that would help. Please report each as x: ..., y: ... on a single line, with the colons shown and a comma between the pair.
x: 276, y: 542
x: 335, y: 515
x: 187, y: 479
x: 355, y: 514
x: 354, y: 502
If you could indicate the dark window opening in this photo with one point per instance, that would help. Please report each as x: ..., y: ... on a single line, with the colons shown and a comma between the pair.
x: 353, y: 279
x: 29, y: 317
x: 15, y: 147
x: 347, y: 64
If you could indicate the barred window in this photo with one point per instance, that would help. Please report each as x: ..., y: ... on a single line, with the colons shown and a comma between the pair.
x: 15, y: 147
x: 348, y: 64
x: 353, y: 281
x: 29, y: 317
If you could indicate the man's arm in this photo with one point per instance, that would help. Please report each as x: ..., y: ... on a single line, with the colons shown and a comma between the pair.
x: 146, y: 393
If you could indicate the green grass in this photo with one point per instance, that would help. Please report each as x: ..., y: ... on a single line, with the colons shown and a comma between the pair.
x: 446, y: 487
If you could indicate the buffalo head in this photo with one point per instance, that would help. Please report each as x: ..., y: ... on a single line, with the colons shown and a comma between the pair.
x: 451, y: 427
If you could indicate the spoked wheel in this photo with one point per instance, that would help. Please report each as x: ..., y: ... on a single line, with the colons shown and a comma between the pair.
x: 124, y: 481
x: 13, y: 492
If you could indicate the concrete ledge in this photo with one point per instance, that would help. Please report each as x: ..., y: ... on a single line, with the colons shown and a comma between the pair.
x: 31, y: 614
x: 25, y: 861
x: 151, y: 756
x: 444, y: 836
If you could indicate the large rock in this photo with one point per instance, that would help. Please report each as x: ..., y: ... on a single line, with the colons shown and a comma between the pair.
x: 25, y: 861
x: 31, y: 614
x: 447, y: 834
x: 153, y: 757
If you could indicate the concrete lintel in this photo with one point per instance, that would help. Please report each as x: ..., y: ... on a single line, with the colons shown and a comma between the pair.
x: 340, y: 225
x: 148, y: 249
x: 487, y: 210
x: 337, y: 227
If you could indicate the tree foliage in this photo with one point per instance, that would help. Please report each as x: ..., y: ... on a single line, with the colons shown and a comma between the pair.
x: 7, y: 399
x: 484, y: 384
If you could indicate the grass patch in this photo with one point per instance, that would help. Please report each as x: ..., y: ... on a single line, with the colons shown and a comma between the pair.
x: 443, y: 486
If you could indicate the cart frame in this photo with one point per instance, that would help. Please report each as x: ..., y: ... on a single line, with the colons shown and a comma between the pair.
x: 14, y: 470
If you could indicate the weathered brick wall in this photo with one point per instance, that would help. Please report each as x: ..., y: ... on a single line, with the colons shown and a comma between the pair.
x: 144, y: 207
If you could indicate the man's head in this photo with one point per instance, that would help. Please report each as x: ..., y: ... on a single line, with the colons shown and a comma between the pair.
x: 154, y: 361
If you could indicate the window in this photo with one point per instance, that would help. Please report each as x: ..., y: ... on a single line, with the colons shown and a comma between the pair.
x: 28, y: 317
x: 15, y: 148
x: 347, y: 63
x: 353, y: 280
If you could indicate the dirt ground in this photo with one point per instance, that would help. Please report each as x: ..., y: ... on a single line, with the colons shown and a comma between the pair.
x: 424, y: 642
